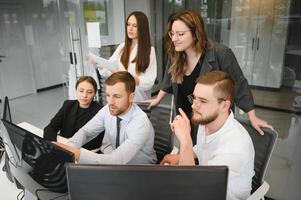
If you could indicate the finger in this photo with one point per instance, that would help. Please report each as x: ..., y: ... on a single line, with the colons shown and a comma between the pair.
x: 268, y: 126
x: 164, y: 163
x: 172, y: 127
x: 183, y: 114
x: 258, y: 129
x: 177, y: 118
x: 150, y: 106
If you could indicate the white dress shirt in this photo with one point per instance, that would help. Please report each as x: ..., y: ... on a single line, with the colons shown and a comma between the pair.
x: 147, y: 79
x: 231, y: 145
x: 136, y: 138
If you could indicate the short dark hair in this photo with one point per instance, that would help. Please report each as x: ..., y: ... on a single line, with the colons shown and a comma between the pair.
x: 123, y: 77
x: 89, y: 79
x: 224, y: 85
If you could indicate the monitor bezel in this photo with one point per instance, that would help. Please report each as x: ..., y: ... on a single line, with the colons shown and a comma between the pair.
x: 23, y: 178
x: 74, y: 194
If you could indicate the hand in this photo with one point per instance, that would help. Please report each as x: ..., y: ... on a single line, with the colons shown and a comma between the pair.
x: 91, y: 60
x: 74, y: 150
x: 170, y: 159
x: 151, y: 102
x: 181, y: 127
x: 258, y: 123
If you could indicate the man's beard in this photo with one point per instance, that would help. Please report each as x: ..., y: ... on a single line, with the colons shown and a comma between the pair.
x: 115, y: 111
x: 203, y: 120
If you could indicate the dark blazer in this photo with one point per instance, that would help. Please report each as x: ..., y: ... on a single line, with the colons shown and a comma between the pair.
x: 221, y: 58
x: 65, y: 122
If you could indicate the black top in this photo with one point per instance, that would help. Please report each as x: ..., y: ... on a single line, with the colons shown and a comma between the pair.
x: 217, y: 57
x: 186, y: 88
x: 221, y: 58
x: 69, y: 119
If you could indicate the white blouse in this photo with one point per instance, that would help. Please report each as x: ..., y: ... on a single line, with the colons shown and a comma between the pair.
x: 147, y: 79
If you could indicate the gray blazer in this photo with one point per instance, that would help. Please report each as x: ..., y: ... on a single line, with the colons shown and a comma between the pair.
x: 218, y: 57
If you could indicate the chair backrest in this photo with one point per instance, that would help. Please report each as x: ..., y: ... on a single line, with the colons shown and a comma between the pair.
x: 263, y: 145
x: 101, y: 90
x: 164, y: 138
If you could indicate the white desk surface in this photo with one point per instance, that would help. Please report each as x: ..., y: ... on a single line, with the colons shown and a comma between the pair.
x: 106, y: 147
x: 37, y: 131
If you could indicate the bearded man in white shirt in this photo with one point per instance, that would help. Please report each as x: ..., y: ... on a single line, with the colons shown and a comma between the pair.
x: 221, y: 139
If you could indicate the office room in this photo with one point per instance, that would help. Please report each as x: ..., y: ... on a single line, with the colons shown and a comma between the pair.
x: 46, y: 46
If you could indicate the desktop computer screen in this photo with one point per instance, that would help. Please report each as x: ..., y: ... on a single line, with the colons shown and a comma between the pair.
x: 38, y: 165
x: 147, y: 182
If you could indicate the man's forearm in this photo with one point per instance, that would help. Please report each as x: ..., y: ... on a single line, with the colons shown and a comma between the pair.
x: 186, y: 155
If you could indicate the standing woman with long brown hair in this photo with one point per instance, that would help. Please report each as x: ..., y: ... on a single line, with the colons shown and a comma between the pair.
x: 135, y: 55
x: 191, y: 54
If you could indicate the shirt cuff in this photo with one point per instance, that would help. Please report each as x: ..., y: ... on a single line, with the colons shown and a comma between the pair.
x: 84, y: 157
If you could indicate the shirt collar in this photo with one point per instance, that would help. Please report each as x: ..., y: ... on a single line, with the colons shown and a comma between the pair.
x: 127, y: 116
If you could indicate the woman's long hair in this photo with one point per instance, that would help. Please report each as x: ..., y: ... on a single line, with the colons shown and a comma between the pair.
x: 142, y: 58
x: 195, y: 23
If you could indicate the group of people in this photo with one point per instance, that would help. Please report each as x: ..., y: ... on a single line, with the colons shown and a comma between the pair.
x: 204, y: 78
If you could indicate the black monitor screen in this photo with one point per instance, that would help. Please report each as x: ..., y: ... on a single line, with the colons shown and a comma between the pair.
x: 38, y: 165
x: 147, y: 182
x: 6, y: 110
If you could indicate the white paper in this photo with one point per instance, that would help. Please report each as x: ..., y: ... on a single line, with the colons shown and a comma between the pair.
x: 93, y: 34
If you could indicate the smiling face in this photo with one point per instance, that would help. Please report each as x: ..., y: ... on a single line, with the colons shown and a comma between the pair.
x: 181, y: 36
x: 119, y: 100
x: 85, y: 93
x: 132, y: 29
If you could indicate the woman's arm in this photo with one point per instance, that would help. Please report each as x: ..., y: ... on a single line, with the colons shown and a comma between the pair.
x: 258, y: 123
x: 244, y: 97
x: 155, y: 101
x: 111, y: 63
x: 102, y: 62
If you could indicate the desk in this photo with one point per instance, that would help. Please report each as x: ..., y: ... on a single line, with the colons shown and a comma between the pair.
x: 106, y: 146
x: 37, y: 131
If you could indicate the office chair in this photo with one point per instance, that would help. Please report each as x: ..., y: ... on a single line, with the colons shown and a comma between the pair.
x: 164, y: 138
x: 101, y: 91
x: 263, y: 145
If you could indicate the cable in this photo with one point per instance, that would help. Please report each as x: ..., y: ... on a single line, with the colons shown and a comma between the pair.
x: 59, y: 196
x: 22, y: 192
x: 47, y: 190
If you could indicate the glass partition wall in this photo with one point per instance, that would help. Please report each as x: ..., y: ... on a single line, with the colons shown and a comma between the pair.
x: 42, y: 42
x: 263, y: 35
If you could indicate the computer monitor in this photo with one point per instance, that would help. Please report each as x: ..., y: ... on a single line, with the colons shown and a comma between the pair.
x: 147, y: 182
x: 6, y: 110
x: 38, y: 165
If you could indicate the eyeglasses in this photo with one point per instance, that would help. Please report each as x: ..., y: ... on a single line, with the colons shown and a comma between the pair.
x: 177, y: 33
x: 193, y: 99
